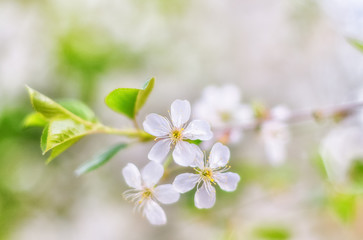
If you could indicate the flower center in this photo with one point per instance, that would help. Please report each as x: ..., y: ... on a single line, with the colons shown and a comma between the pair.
x: 176, y: 135
x: 226, y: 116
x: 146, y: 194
x: 207, y: 174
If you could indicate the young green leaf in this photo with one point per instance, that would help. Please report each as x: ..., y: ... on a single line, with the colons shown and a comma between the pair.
x: 100, y: 159
x: 129, y: 101
x: 357, y: 44
x: 272, y: 233
x: 61, y: 134
x: 43, y: 139
x: 344, y: 206
x: 68, y: 109
x: 62, y: 147
x: 144, y: 94
x: 79, y: 108
x: 35, y: 120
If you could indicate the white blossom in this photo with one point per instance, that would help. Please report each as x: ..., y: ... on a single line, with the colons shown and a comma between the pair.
x: 339, y: 149
x: 275, y: 135
x: 222, y: 107
x: 208, y: 173
x: 175, y: 133
x: 144, y: 192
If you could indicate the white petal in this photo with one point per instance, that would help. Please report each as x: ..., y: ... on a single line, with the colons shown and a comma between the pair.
x: 180, y: 112
x: 132, y: 176
x: 225, y: 97
x: 205, y: 197
x: 219, y: 155
x: 166, y: 194
x: 280, y: 113
x: 154, y: 213
x: 184, y: 153
x: 156, y: 125
x: 185, y: 182
x: 199, y: 158
x: 198, y: 129
x: 244, y: 115
x: 275, y: 152
x: 159, y: 151
x: 152, y: 173
x: 227, y: 181
x: 339, y: 149
x: 275, y: 136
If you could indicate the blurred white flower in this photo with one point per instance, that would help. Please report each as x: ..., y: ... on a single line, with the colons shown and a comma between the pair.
x: 208, y: 172
x: 145, y: 193
x: 222, y: 107
x: 339, y: 149
x: 275, y: 135
x: 175, y: 133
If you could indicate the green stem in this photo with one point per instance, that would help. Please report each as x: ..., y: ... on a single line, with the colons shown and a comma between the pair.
x: 128, y: 132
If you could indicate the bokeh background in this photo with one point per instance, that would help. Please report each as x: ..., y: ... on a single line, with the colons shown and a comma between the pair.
x: 294, y: 52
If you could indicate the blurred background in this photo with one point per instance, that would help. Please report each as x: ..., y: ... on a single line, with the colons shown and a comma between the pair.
x: 294, y: 52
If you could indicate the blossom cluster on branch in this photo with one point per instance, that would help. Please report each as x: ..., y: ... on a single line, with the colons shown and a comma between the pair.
x: 219, y: 120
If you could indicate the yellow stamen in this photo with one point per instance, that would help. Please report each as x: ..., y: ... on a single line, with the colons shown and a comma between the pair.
x: 208, y: 173
x: 176, y: 135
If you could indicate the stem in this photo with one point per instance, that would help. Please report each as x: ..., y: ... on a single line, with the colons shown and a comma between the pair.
x: 329, y: 112
x: 339, y: 111
x: 136, y: 125
x: 128, y: 132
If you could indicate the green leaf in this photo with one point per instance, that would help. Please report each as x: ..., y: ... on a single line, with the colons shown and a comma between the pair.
x: 272, y: 233
x: 35, y: 120
x: 129, y: 101
x: 62, y: 147
x: 52, y: 110
x: 356, y: 172
x: 100, y: 159
x: 357, y: 44
x: 344, y: 206
x: 196, y: 142
x: 43, y: 139
x: 79, y: 108
x: 69, y: 121
x: 144, y: 94
x: 61, y: 134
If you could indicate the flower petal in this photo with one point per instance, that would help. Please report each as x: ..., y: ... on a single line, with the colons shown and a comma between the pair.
x: 154, y: 213
x: 244, y: 115
x: 198, y: 129
x: 227, y: 181
x: 185, y: 182
x: 199, y: 158
x: 219, y: 155
x: 160, y: 150
x: 280, y: 113
x: 156, y: 125
x: 275, y: 136
x: 166, y: 194
x: 205, y: 197
x: 184, y: 153
x: 180, y: 112
x: 132, y: 176
x: 152, y: 173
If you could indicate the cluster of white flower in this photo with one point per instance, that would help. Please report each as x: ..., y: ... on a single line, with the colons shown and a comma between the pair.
x: 341, y: 148
x: 222, y: 108
x: 177, y: 135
